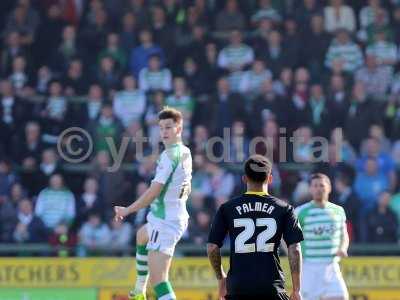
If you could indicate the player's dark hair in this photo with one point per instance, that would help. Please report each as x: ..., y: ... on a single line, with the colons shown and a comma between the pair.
x: 320, y: 176
x: 170, y: 113
x: 257, y: 168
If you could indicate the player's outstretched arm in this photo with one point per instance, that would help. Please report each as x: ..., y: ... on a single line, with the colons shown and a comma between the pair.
x: 294, y: 255
x: 214, y: 255
x: 144, y: 200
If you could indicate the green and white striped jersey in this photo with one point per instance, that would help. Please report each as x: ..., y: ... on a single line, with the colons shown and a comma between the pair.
x: 235, y: 56
x: 174, y: 171
x: 129, y: 106
x: 367, y: 16
x: 155, y: 80
x: 322, y: 228
x: 184, y: 104
x: 350, y: 54
x: 383, y: 50
x: 55, y: 206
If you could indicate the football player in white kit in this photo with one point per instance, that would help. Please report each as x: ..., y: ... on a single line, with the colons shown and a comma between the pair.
x: 168, y: 218
x: 325, y: 242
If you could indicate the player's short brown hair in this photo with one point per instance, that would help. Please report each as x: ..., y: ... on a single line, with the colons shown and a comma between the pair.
x: 320, y: 176
x: 170, y: 113
x: 257, y: 168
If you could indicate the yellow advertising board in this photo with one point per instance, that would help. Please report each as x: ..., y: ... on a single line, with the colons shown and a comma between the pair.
x: 370, y: 274
x: 211, y: 294
x: 96, y: 272
x: 368, y: 294
x: 181, y: 294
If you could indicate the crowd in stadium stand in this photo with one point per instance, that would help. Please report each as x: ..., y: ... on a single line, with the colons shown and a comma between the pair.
x: 267, y: 68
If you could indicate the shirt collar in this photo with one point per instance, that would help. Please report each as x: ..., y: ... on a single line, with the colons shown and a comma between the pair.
x: 256, y: 193
x: 174, y: 145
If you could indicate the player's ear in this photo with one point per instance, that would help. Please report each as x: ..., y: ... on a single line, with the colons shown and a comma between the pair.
x: 269, y: 179
x: 244, y: 179
x: 180, y: 127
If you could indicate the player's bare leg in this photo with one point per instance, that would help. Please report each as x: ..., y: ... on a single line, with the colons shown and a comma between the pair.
x: 159, y: 264
x: 139, y: 292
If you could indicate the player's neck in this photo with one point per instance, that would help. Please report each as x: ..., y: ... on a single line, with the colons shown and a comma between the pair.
x: 173, y: 142
x: 257, y: 188
x: 321, y: 203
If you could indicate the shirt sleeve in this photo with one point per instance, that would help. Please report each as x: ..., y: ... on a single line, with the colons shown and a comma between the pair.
x: 344, y: 218
x: 292, y: 232
x: 219, y: 228
x: 164, y: 169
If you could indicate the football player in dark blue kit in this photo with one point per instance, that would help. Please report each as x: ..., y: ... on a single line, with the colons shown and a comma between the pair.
x: 256, y: 222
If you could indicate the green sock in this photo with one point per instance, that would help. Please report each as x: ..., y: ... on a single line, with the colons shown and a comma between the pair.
x: 164, y: 291
x: 141, y: 269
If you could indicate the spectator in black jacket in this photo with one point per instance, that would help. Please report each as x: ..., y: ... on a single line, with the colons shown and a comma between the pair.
x: 107, y: 74
x: 48, y: 34
x: 198, y: 227
x: 30, y: 228
x: 361, y: 113
x: 321, y: 118
x: 306, y: 10
x: 12, y: 49
x: 94, y: 34
x: 88, y: 202
x: 13, y: 114
x: 224, y: 107
x: 68, y: 49
x: 30, y: 146
x: 8, y: 219
x: 88, y: 111
x: 7, y: 177
x: 337, y: 100
x: 274, y: 53
x: 266, y: 107
x: 75, y: 81
x: 298, y: 107
x: 345, y: 197
x: 381, y: 222
x: 318, y: 41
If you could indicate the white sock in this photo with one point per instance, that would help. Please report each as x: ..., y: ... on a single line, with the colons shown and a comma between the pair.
x: 141, y: 284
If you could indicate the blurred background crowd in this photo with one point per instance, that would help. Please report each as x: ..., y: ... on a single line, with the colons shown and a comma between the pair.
x: 266, y: 68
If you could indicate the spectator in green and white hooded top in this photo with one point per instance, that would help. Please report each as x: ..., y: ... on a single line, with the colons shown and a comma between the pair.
x: 236, y: 55
x: 234, y: 58
x: 385, y: 51
x: 55, y: 204
x: 376, y: 78
x: 345, y: 52
x: 130, y: 103
x: 265, y: 11
x: 368, y: 13
x: 154, y: 77
x: 253, y: 79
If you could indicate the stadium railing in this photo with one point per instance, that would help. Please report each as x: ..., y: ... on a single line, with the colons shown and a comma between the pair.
x: 181, y: 250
